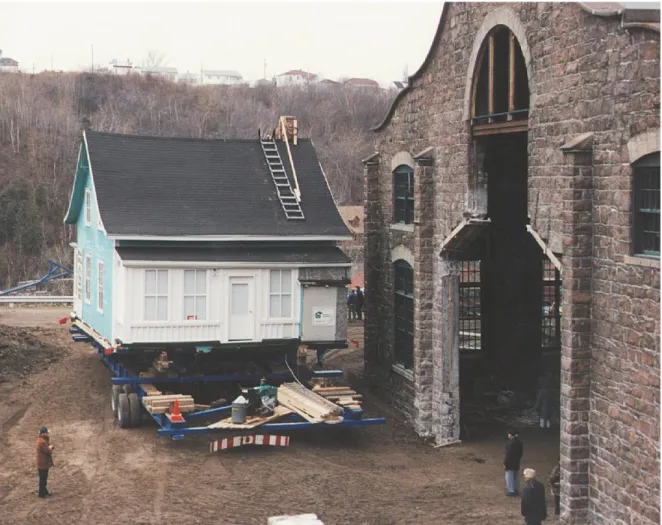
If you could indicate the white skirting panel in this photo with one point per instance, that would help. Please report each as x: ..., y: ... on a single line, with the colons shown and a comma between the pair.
x: 278, y: 330
x: 189, y: 331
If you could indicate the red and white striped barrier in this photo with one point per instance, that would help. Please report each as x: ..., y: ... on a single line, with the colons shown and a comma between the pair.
x: 240, y: 441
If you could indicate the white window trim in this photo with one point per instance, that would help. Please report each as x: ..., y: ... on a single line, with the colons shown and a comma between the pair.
x: 195, y: 295
x: 100, y: 290
x: 79, y: 275
x: 88, y: 207
x: 88, y: 279
x: 281, y: 294
x: 156, y: 295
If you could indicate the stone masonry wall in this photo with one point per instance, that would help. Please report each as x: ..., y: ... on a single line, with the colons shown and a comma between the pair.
x: 587, y: 74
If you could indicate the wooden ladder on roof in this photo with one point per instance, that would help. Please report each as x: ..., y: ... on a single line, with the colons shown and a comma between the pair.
x: 288, y: 198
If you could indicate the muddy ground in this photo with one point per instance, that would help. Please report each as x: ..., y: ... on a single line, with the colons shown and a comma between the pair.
x: 105, y: 475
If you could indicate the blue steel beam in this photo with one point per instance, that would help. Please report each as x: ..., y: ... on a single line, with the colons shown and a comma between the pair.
x: 328, y: 373
x: 297, y: 425
x: 220, y: 378
x: 53, y: 267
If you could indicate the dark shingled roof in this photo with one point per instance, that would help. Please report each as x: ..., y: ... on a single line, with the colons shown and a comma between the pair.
x: 298, y: 255
x: 179, y: 187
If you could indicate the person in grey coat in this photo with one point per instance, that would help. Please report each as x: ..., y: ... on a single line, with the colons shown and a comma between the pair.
x: 544, y: 404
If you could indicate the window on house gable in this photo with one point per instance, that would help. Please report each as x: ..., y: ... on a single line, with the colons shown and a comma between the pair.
x: 156, y: 295
x: 88, y: 278
x: 403, y: 304
x: 646, y: 205
x: 403, y: 195
x: 88, y: 207
x: 280, y: 293
x: 195, y: 294
x: 100, y: 286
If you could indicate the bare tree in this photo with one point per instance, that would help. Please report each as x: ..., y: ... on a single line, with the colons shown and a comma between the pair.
x: 155, y: 58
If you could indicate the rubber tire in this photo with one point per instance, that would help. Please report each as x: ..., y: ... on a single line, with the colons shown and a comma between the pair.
x: 134, y: 409
x: 123, y: 411
x: 115, y: 391
x: 128, y: 389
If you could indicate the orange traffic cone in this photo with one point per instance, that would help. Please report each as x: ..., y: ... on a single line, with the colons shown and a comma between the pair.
x: 175, y: 414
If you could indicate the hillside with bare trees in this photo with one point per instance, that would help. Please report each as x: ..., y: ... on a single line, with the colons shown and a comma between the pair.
x: 40, y: 135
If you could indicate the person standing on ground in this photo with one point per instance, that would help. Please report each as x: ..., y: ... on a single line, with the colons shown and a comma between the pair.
x: 351, y: 305
x: 360, y: 300
x: 554, y: 481
x: 511, y: 461
x: 44, y: 460
x: 544, y: 404
x: 534, y: 505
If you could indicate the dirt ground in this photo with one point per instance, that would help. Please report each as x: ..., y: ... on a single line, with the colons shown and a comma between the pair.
x: 106, y: 475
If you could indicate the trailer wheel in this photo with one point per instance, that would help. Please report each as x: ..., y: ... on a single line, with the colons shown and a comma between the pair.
x: 128, y: 389
x: 123, y: 411
x: 115, y: 391
x: 134, y: 409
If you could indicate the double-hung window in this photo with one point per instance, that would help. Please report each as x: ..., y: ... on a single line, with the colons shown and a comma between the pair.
x: 403, y: 195
x: 156, y: 295
x: 280, y: 293
x: 195, y: 294
x: 88, y: 278
x: 100, y: 286
x: 646, y: 205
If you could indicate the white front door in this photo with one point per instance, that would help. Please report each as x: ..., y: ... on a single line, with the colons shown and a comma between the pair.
x: 241, y: 322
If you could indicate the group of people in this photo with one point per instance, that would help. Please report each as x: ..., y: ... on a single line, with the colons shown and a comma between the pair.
x: 533, y: 503
x: 355, y: 301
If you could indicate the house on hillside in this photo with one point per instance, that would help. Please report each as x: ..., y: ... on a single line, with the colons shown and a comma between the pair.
x: 168, y: 73
x: 221, y: 243
x: 296, y: 77
x: 8, y: 65
x: 515, y: 180
x: 224, y: 78
x: 121, y: 68
x: 362, y: 83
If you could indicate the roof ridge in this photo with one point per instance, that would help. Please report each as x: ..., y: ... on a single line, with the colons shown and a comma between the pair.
x: 178, y: 138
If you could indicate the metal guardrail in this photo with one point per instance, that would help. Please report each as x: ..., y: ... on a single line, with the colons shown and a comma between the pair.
x: 36, y: 299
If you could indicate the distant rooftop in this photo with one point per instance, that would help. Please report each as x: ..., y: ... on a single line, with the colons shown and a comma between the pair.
x: 298, y: 72
x: 221, y: 73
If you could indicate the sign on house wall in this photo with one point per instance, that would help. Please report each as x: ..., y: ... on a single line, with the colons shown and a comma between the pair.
x: 323, y: 316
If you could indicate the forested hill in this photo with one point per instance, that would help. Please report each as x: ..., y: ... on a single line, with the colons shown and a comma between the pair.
x: 40, y: 135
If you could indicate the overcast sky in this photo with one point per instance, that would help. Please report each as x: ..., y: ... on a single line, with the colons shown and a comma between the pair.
x: 332, y: 39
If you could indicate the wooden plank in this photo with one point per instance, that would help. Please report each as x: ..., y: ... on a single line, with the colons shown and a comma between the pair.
x: 331, y: 389
x: 308, y: 404
x: 202, y: 407
x: 490, y: 87
x: 511, y: 75
x: 252, y: 421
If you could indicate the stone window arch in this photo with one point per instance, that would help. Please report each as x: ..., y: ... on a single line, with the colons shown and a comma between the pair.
x: 495, y: 21
x: 403, y: 253
x: 402, y: 168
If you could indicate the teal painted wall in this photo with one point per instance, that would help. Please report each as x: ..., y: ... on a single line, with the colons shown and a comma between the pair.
x: 92, y: 241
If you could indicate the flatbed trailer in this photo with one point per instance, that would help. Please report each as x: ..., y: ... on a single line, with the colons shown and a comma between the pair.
x: 128, y: 381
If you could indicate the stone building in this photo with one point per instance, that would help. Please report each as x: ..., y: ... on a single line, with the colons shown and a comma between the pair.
x: 512, y: 231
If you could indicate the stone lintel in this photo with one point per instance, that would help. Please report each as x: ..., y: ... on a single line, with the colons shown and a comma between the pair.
x: 372, y: 159
x: 425, y: 157
x: 580, y: 144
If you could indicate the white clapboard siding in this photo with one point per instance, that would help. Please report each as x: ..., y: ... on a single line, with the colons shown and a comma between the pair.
x: 131, y: 326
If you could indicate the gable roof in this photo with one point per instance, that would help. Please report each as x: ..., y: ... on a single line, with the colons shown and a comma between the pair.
x: 298, y: 72
x: 175, y: 187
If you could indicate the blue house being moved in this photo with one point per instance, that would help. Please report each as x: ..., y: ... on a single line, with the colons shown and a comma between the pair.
x: 185, y: 242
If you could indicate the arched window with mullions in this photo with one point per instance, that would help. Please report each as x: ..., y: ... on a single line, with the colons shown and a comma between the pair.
x: 646, y: 206
x: 403, y: 304
x: 403, y: 195
x: 500, y: 86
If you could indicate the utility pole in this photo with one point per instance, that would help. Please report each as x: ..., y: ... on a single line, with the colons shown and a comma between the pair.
x: 92, y: 46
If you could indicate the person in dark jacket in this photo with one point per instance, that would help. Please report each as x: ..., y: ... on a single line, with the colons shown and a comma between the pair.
x: 44, y: 460
x: 554, y: 481
x: 360, y: 300
x: 351, y: 305
x: 534, y: 505
x: 544, y: 404
x: 511, y: 461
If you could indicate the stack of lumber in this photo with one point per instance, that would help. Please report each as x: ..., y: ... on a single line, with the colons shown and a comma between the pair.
x: 160, y: 404
x: 161, y: 363
x: 252, y: 421
x: 150, y: 390
x: 341, y: 395
x: 309, y: 405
